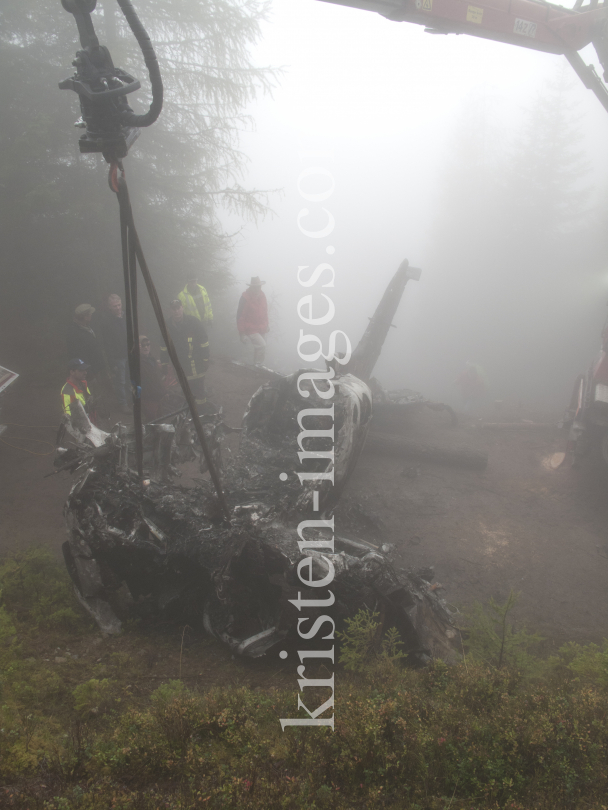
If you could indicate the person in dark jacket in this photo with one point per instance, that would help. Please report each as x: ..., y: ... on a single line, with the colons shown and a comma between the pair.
x: 472, y: 385
x: 192, y: 346
x: 82, y: 341
x: 114, y: 334
x: 152, y: 383
x: 252, y: 318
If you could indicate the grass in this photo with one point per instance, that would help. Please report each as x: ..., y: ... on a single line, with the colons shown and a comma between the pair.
x: 106, y: 723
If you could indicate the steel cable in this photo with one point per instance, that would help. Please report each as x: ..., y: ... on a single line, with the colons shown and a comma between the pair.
x: 132, y: 251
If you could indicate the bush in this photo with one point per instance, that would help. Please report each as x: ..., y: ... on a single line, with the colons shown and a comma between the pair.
x: 93, y: 697
x: 464, y: 737
x: 363, y: 646
x: 8, y: 637
x: 492, y: 638
x: 589, y: 662
x: 36, y: 590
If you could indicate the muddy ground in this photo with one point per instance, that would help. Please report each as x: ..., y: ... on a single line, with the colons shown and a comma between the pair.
x: 518, y: 524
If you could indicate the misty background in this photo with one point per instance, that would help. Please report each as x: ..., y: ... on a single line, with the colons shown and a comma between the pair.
x: 482, y: 163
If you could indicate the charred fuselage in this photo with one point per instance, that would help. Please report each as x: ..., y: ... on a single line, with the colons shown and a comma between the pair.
x: 160, y: 550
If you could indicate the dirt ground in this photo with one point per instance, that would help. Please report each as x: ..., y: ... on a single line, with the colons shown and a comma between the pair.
x: 518, y: 524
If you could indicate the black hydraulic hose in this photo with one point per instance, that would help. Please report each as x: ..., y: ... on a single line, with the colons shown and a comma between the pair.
x: 81, y: 9
x: 128, y: 117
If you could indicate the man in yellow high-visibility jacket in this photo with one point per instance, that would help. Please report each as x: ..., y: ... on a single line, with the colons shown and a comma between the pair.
x: 192, y: 347
x: 196, y: 302
x: 76, y: 388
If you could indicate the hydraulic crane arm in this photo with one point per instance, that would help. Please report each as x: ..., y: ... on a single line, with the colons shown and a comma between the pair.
x: 527, y: 23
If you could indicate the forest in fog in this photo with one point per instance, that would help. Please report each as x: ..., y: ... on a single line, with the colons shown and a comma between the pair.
x: 513, y: 247
x: 518, y: 249
x: 60, y: 239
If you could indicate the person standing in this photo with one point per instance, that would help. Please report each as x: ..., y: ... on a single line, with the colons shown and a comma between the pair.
x: 252, y: 318
x: 196, y: 302
x: 192, y: 346
x: 82, y: 341
x: 114, y: 333
x: 472, y: 386
x: 76, y: 388
x: 152, y: 384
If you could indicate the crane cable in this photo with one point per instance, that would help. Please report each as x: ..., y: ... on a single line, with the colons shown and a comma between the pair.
x: 132, y: 255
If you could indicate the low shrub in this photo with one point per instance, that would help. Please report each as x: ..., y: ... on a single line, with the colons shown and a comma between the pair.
x: 36, y: 590
x: 363, y: 647
x: 94, y: 697
x: 491, y: 636
x: 589, y: 662
x: 473, y: 736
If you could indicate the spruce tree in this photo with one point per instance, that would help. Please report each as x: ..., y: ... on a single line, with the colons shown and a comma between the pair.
x: 59, y: 231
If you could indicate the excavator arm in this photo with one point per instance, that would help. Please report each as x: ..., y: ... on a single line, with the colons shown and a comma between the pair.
x: 528, y: 23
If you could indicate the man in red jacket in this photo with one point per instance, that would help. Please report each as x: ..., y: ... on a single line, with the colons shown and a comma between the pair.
x: 252, y: 318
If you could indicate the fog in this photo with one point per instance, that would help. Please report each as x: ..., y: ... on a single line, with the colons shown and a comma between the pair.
x: 436, y: 144
x: 483, y: 164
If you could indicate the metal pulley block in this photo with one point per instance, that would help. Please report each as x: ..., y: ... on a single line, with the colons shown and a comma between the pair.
x: 110, y: 123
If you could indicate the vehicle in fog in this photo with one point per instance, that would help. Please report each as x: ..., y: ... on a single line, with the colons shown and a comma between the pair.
x: 587, y: 414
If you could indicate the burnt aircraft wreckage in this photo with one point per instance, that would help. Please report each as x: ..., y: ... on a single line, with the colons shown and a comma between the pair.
x: 154, y: 549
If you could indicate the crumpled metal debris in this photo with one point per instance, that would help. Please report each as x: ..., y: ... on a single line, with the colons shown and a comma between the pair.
x: 399, y: 402
x: 160, y: 550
